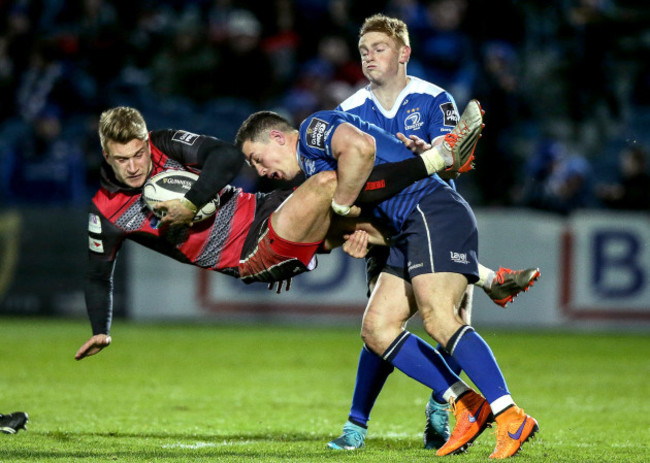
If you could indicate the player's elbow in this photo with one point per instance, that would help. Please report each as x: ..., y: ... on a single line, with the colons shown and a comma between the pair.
x: 326, y: 181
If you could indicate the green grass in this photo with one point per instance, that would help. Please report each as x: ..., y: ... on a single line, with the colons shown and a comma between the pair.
x: 199, y: 393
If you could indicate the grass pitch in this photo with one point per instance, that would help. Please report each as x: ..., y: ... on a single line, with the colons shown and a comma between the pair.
x: 191, y: 393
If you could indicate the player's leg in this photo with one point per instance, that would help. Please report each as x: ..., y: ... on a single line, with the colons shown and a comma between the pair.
x: 440, y: 242
x: 383, y: 331
x: 305, y: 216
x: 436, y: 428
x: 474, y: 356
x: 372, y: 373
x: 418, y: 359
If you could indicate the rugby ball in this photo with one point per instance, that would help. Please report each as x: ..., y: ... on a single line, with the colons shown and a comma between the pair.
x: 173, y: 184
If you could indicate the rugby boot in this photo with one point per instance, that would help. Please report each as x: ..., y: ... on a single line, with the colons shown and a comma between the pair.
x: 509, y: 283
x: 353, y: 438
x: 461, y: 142
x: 514, y: 428
x: 436, y: 429
x: 14, y: 422
x: 473, y: 415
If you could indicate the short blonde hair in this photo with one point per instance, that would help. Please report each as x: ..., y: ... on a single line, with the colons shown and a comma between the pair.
x: 121, y: 124
x: 392, y: 27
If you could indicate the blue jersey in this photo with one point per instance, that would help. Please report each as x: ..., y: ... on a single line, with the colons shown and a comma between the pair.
x: 315, y: 155
x: 421, y: 109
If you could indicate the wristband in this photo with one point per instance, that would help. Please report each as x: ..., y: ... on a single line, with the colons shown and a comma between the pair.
x: 340, y: 210
x: 189, y: 205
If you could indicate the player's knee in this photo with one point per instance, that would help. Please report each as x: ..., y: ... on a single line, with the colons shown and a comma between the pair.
x: 434, y: 326
x: 378, y: 334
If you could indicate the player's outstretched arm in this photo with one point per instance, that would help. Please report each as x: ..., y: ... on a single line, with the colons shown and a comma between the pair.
x: 93, y: 346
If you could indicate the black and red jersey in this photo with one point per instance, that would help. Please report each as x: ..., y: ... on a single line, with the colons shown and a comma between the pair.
x: 118, y: 213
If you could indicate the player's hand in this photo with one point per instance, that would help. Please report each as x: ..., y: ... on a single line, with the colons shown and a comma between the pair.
x: 356, y: 244
x: 174, y: 213
x: 414, y: 143
x: 286, y: 284
x: 93, y: 346
x: 355, y: 211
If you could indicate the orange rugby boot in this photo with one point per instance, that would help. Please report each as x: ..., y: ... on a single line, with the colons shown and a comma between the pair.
x: 473, y: 415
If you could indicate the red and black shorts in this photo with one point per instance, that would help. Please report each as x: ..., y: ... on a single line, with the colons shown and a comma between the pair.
x: 267, y: 257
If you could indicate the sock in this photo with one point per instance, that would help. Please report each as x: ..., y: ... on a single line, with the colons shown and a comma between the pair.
x: 372, y: 373
x: 453, y: 364
x: 485, y: 277
x: 423, y: 363
x: 434, y: 161
x: 475, y: 357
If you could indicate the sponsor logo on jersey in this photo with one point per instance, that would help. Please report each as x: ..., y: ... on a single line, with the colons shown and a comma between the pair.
x: 413, y: 120
x: 449, y: 114
x: 188, y: 138
x: 458, y: 257
x: 96, y: 245
x: 316, y: 133
x: 94, y: 224
x: 309, y: 165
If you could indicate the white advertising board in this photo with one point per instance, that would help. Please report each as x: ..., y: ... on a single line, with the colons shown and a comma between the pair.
x: 595, y: 269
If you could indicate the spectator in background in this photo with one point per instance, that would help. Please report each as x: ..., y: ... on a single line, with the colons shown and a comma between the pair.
x: 446, y: 50
x: 282, y: 45
x: 558, y: 181
x: 632, y: 191
x: 46, y: 165
x: 498, y: 90
x: 49, y: 79
x: 242, y: 51
x: 185, y: 68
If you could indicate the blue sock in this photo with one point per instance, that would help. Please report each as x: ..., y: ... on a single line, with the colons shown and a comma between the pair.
x: 423, y: 363
x: 453, y: 364
x: 475, y: 357
x: 372, y: 373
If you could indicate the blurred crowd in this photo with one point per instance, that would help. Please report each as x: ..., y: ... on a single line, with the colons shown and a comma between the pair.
x: 565, y: 85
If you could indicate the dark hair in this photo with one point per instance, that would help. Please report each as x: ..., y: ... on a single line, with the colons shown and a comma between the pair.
x: 258, y: 125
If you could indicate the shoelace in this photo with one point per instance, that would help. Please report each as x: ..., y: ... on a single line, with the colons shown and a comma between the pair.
x: 451, y: 138
x: 501, y: 274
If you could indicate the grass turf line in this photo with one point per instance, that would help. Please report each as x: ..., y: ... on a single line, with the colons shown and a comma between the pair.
x: 198, y: 393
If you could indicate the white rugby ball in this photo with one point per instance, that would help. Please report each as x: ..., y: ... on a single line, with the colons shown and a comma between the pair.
x: 173, y: 184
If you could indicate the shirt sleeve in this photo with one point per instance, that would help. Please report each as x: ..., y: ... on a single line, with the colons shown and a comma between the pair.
x: 104, y: 240
x: 218, y: 161
x: 443, y: 116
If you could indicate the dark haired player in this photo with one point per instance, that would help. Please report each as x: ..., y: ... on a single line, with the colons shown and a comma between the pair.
x: 433, y: 257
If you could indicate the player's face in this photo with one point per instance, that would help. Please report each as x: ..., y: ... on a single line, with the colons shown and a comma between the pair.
x: 273, y: 159
x: 131, y: 162
x: 380, y: 57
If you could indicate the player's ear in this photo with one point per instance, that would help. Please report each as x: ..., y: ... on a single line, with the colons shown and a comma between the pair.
x: 278, y: 136
x: 105, y: 155
x: 404, y: 54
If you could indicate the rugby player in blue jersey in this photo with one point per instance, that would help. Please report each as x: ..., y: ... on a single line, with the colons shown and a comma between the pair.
x: 421, y: 114
x: 433, y: 256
